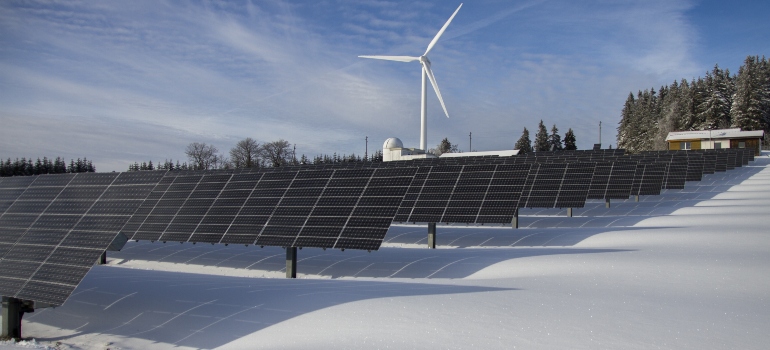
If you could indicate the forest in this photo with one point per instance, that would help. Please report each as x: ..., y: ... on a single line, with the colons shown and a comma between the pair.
x: 719, y: 100
x: 26, y: 167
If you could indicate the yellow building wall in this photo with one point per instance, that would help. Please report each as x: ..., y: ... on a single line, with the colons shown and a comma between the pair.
x: 695, y: 144
x: 674, y: 145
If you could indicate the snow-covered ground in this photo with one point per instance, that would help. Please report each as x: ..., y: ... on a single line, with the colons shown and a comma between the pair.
x: 685, y: 270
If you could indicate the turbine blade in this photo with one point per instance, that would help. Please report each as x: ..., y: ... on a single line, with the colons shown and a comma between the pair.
x: 393, y: 58
x: 428, y: 71
x: 440, y: 32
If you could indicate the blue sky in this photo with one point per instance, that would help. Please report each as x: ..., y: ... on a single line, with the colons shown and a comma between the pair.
x: 125, y: 81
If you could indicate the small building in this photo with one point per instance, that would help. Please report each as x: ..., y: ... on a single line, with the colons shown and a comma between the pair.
x: 716, y: 139
x: 503, y: 153
x: 393, y: 149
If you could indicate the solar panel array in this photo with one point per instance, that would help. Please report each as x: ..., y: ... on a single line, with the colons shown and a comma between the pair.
x: 464, y: 194
x: 55, y: 227
x: 340, y: 208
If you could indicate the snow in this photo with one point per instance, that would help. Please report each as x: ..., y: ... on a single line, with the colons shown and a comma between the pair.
x: 684, y: 270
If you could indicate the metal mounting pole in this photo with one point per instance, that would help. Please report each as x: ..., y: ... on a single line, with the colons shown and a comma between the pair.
x: 636, y: 198
x: 515, y: 221
x: 291, y: 262
x: 569, y: 212
x: 606, y: 202
x: 432, y: 235
x: 103, y: 258
x: 13, y: 310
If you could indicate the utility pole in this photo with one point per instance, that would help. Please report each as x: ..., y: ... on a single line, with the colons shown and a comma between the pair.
x: 600, y: 132
x: 294, y: 154
x: 366, y: 151
x: 470, y: 142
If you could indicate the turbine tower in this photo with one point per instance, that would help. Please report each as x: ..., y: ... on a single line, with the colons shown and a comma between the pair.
x: 426, y: 72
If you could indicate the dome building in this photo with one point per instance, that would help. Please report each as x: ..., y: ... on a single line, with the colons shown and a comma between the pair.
x: 393, y: 149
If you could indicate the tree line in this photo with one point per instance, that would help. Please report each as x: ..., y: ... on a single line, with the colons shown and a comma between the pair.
x: 248, y: 153
x: 717, y: 101
x: 26, y: 167
x: 545, y: 141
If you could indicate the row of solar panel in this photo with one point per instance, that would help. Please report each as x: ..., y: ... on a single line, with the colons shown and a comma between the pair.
x: 53, y: 227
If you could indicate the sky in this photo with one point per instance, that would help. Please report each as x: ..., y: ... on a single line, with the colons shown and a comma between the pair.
x: 120, y: 82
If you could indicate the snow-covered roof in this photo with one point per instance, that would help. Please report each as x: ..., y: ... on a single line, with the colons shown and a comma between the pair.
x: 504, y: 153
x: 714, y: 134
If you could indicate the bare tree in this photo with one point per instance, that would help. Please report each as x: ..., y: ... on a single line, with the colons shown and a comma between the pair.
x: 245, y: 154
x: 277, y: 153
x: 220, y: 161
x: 201, y: 155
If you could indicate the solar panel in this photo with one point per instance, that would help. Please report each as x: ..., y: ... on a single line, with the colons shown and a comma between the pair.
x: 612, y: 180
x: 648, y: 179
x: 557, y: 185
x: 474, y: 193
x: 694, y: 168
x: 721, y: 162
x: 58, y: 227
x: 340, y: 208
x: 502, y: 197
x: 709, y: 162
x: 676, y: 175
x: 740, y: 156
x: 731, y: 159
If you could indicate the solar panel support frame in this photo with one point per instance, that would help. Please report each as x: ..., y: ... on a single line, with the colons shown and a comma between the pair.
x: 291, y: 262
x: 515, y: 220
x: 118, y: 242
x: 569, y: 212
x: 13, y: 310
x: 432, y: 235
x: 607, y: 203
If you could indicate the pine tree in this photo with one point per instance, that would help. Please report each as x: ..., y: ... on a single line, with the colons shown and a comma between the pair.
x: 38, y: 167
x: 752, y: 96
x: 716, y: 99
x: 541, y: 138
x: 554, y: 140
x: 686, y: 117
x: 524, y: 145
x: 672, y: 107
x: 569, y: 141
x: 626, y: 130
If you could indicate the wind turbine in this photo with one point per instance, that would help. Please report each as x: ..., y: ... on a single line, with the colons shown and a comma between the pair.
x: 426, y: 71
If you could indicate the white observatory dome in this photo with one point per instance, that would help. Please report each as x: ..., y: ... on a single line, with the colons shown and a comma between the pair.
x: 392, y: 142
